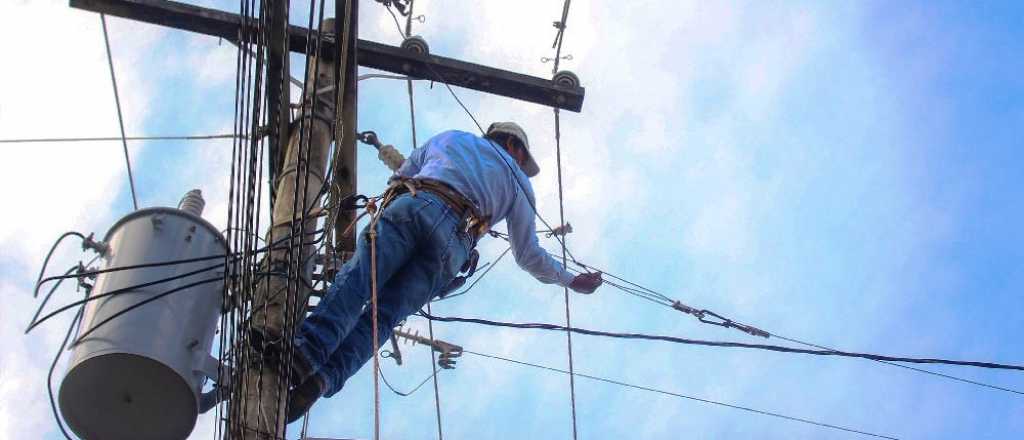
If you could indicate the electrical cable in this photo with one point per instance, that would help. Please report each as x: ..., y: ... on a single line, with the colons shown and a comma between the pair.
x: 706, y: 343
x: 127, y: 138
x: 53, y: 366
x: 182, y: 288
x: 410, y: 392
x: 46, y: 261
x: 565, y: 265
x: 56, y: 285
x: 114, y: 292
x: 669, y: 393
x: 271, y: 247
x: 665, y: 301
x: 120, y: 117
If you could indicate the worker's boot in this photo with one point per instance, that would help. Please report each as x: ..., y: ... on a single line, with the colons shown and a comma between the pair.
x: 271, y: 349
x: 302, y: 397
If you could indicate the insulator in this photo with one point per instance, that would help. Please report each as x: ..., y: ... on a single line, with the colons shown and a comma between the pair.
x: 391, y: 157
x: 567, y: 79
x: 193, y: 203
x: 416, y: 44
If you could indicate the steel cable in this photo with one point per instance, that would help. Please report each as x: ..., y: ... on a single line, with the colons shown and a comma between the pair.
x: 684, y: 396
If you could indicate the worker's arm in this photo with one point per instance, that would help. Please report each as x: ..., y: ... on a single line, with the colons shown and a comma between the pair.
x: 525, y: 247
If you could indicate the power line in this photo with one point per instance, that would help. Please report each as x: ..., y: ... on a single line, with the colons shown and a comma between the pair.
x: 706, y: 343
x: 127, y: 138
x: 657, y: 298
x: 560, y: 36
x: 430, y: 324
x: 120, y: 117
x: 684, y: 396
x: 565, y: 264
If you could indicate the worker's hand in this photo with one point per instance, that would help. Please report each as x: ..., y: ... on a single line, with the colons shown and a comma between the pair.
x: 586, y: 282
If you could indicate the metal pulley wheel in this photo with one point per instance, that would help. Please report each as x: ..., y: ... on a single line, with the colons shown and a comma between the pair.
x: 416, y: 44
x: 567, y: 79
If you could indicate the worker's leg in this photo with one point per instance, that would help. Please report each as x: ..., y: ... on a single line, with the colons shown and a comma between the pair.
x: 332, y: 319
x: 423, y: 277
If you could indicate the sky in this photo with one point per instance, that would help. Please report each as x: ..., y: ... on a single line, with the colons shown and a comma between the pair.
x: 845, y: 174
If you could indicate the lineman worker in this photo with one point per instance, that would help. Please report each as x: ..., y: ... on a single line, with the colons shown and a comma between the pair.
x: 448, y: 194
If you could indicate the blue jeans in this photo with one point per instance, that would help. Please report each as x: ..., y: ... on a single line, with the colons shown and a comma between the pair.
x: 420, y: 249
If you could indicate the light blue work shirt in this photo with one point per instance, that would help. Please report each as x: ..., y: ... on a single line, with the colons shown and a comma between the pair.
x: 486, y: 175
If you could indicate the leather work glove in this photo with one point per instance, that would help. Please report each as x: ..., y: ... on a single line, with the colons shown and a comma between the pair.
x: 586, y: 282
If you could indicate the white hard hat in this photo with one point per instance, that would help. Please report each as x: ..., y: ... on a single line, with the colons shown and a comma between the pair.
x: 530, y: 168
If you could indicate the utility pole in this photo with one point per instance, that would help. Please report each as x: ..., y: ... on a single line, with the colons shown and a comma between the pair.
x: 279, y: 301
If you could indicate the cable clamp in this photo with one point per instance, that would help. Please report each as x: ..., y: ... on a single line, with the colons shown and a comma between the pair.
x: 98, y: 246
x: 722, y: 321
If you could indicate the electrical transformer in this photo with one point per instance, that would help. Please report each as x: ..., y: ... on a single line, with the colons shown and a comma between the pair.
x: 139, y: 370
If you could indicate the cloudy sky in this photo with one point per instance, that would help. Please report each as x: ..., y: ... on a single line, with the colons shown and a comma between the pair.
x: 848, y: 175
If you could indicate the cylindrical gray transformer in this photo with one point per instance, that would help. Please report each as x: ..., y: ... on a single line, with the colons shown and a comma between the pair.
x: 139, y: 376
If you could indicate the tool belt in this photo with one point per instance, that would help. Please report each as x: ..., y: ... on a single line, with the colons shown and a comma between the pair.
x: 470, y: 220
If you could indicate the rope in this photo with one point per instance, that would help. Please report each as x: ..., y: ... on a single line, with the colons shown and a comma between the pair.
x: 568, y: 322
x: 373, y: 305
x: 669, y: 393
x: 120, y: 117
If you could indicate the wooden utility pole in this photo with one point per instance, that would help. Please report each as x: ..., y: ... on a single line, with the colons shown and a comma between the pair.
x: 280, y: 302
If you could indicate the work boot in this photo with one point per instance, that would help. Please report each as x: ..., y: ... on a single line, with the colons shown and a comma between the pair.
x: 271, y: 349
x: 302, y: 397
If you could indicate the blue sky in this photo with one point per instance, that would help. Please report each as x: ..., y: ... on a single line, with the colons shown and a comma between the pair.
x: 848, y: 175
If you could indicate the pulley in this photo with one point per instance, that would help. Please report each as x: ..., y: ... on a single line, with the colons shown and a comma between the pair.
x: 567, y: 79
x: 416, y: 44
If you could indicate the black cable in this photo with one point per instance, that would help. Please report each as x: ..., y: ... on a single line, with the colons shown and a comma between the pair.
x: 53, y: 289
x: 686, y: 341
x: 120, y: 117
x: 410, y: 392
x: 665, y: 301
x: 142, y: 303
x: 114, y: 292
x: 53, y: 366
x: 669, y: 393
x: 46, y: 261
x: 919, y: 370
x: 50, y: 293
x: 271, y: 247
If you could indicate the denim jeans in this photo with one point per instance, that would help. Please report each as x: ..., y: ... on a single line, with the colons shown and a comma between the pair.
x: 420, y: 249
